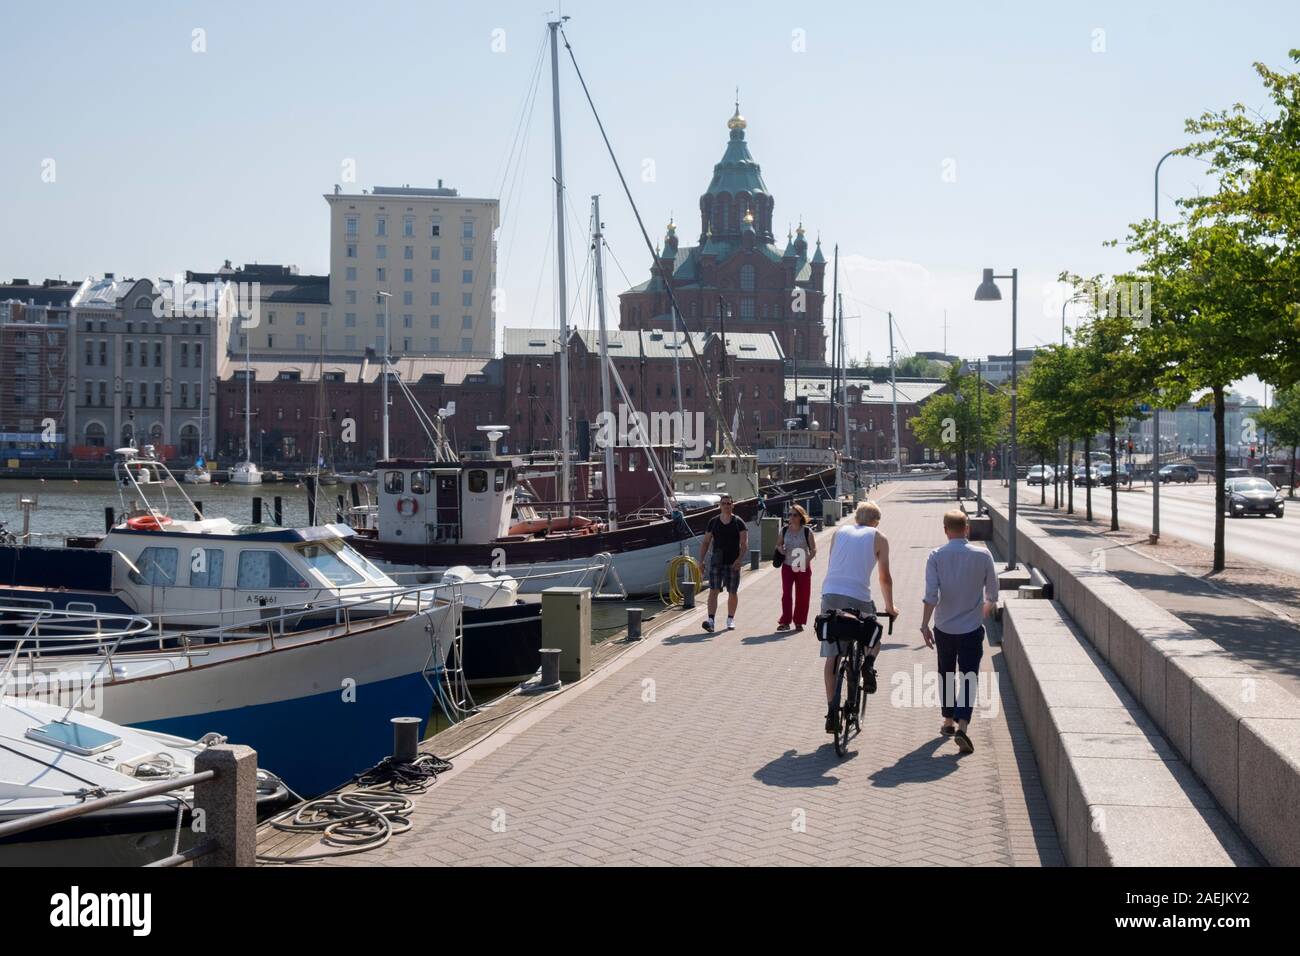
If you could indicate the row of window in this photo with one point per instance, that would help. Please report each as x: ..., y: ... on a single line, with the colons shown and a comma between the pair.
x: 352, y: 251
x: 408, y: 343
x: 137, y: 394
x: 432, y: 229
x: 256, y: 570
x: 96, y: 353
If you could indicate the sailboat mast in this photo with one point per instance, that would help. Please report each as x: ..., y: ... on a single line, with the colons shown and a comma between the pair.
x: 844, y: 376
x: 566, y: 480
x: 598, y: 237
x: 893, y: 383
x: 248, y: 396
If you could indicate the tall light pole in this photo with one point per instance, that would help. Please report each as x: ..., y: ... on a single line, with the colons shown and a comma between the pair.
x: 383, y: 371
x: 988, y: 291
x: 1155, y: 406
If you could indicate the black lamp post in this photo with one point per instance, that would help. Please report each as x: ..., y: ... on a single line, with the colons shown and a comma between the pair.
x: 988, y: 291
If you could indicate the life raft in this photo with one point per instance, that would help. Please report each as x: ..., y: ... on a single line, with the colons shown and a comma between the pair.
x: 407, y: 506
x: 576, y: 523
x: 148, y: 522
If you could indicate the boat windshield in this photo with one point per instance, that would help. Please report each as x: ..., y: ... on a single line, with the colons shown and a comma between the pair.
x: 355, y: 557
x: 323, y: 559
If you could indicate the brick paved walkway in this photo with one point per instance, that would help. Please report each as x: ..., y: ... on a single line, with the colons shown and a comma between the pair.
x: 701, y: 748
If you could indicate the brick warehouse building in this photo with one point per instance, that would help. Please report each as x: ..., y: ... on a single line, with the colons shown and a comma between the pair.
x: 645, y: 362
x: 288, y: 397
x: 737, y: 266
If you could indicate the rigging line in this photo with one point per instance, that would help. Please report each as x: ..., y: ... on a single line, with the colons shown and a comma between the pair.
x: 541, y: 274
x: 518, y: 177
x: 710, y: 391
x: 524, y: 109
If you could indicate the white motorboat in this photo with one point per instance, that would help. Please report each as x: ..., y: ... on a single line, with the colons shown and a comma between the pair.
x: 197, y: 476
x: 245, y: 473
x: 52, y: 758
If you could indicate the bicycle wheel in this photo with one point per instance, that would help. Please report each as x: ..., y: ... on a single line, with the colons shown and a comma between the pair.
x: 844, y: 694
x: 865, y: 662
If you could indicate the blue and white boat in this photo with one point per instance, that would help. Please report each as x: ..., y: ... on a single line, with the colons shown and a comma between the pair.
x: 285, y: 639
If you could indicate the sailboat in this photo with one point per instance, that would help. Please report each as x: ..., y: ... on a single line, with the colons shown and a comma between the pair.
x: 198, y: 473
x: 246, y: 472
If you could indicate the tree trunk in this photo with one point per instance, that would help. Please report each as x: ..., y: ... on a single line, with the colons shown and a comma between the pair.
x: 1069, y: 477
x: 961, y: 464
x: 1042, y: 469
x: 1087, y: 473
x: 1291, y: 490
x: 1220, y: 466
x: 1056, y: 476
x: 1114, y: 480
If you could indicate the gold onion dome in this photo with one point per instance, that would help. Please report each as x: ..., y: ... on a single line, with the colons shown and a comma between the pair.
x: 737, y: 121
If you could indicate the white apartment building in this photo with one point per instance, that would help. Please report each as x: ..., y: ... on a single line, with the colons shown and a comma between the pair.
x: 433, y: 251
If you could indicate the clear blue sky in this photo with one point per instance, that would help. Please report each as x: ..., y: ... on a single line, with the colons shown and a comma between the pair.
x: 167, y: 159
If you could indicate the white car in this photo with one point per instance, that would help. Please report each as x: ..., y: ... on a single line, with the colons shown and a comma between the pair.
x: 1041, y: 475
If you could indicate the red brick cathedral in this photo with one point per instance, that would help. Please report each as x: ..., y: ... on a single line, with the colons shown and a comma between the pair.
x: 737, y: 266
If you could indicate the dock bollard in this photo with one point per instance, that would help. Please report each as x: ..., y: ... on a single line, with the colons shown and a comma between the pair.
x: 277, y: 509
x: 550, y: 667
x: 755, y: 556
x: 406, y: 738
x: 634, y: 624
x: 688, y: 594
x: 257, y: 509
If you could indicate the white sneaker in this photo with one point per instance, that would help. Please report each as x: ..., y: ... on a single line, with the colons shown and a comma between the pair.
x: 731, y: 623
x: 708, y: 623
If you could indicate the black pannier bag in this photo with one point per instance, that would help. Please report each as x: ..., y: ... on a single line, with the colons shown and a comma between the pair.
x: 845, y: 626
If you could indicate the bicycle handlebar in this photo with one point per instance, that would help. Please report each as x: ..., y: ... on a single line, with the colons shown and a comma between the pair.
x: 891, y: 617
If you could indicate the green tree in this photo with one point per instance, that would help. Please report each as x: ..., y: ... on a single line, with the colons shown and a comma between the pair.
x: 963, y: 418
x: 1282, y: 422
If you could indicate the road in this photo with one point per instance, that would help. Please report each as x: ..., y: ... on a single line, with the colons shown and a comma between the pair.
x: 1187, y: 512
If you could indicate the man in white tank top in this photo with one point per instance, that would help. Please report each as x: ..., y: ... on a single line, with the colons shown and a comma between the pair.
x: 855, y: 550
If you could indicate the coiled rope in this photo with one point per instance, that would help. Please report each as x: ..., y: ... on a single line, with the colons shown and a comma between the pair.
x: 353, y: 821
x: 670, y: 592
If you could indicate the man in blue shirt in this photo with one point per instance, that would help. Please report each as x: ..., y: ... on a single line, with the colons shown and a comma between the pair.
x: 961, y: 589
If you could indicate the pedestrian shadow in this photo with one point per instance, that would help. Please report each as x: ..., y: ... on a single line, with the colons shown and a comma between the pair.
x: 768, y: 638
x: 699, y: 638
x: 793, y: 769
x: 922, y: 765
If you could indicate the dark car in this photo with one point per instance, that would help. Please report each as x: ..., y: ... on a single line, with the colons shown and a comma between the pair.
x: 1086, y: 476
x: 1186, y: 473
x: 1105, y: 474
x: 1252, y: 496
x: 1236, y: 473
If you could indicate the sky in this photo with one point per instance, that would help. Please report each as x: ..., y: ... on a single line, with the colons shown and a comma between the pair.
x: 927, y: 141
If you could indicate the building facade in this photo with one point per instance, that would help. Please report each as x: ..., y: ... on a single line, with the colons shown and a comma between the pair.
x: 736, y: 275
x: 292, y: 311
x: 145, y: 358
x: 749, y: 382
x: 433, y: 251
x: 34, y: 368
x: 305, y: 410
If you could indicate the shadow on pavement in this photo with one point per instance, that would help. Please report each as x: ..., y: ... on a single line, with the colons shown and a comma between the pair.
x: 922, y: 765
x: 793, y: 769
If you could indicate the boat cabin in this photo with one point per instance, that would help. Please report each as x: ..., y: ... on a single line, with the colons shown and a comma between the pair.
x: 736, y: 475
x: 445, y: 502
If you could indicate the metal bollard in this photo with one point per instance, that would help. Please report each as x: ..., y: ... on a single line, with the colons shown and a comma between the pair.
x: 277, y: 509
x: 406, y: 738
x: 257, y: 510
x: 109, y: 519
x: 634, y: 624
x: 550, y: 667
x: 198, y: 511
x: 755, y: 556
x: 688, y: 594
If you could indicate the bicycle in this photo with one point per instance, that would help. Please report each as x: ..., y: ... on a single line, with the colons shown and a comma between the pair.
x: 850, y: 700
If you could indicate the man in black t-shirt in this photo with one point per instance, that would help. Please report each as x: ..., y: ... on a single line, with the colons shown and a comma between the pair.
x: 729, y: 539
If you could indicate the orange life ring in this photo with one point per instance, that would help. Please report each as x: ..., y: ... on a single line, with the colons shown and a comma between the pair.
x: 148, y: 522
x: 402, y: 504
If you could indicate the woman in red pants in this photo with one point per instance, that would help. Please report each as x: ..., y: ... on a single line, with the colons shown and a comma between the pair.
x: 799, y: 547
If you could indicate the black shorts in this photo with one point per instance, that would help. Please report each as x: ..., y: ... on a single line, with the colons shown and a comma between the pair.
x: 723, y: 574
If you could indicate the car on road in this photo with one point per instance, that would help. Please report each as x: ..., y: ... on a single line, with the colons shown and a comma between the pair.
x: 1185, y: 473
x: 1235, y: 473
x: 1085, y: 476
x: 1041, y: 475
x: 1105, y: 474
x: 1252, y: 496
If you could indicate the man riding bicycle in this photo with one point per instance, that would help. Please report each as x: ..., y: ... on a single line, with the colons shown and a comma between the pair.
x: 855, y: 550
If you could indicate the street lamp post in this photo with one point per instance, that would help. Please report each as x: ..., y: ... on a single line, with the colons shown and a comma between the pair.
x: 988, y: 291
x: 1155, y: 408
x: 383, y: 395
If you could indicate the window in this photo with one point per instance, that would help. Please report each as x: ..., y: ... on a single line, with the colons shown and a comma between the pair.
x: 350, y: 296
x: 103, y: 393
x: 419, y: 482
x: 394, y: 482
x: 300, y: 318
x: 103, y: 351
x: 212, y: 562
x: 155, y: 567
x: 407, y: 319
x: 435, y: 298
x: 433, y: 343
x: 467, y: 300
x: 467, y: 276
x: 435, y: 227
x: 433, y: 321
x: 351, y: 250
x: 351, y: 227
x: 499, y: 480
x: 408, y: 298
x: 467, y: 345
x: 467, y: 229
x: 381, y: 226
x: 300, y: 341
x: 157, y: 355
x: 267, y: 569
x: 477, y: 482
x: 406, y: 345
x: 185, y: 395
x: 325, y: 562
x: 408, y: 275
x: 408, y: 252
x: 381, y: 274
x: 379, y: 319
x: 747, y: 308
x: 351, y: 273
x: 128, y: 354
x: 198, y: 354
x: 157, y: 394
x: 129, y: 392
x: 408, y: 226
x: 435, y: 253
x: 185, y: 355
x: 747, y: 278
x: 467, y: 321
x: 435, y: 275
x: 381, y: 251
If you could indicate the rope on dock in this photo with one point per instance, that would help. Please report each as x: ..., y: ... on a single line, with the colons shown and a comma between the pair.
x: 353, y: 821
x: 671, y: 590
